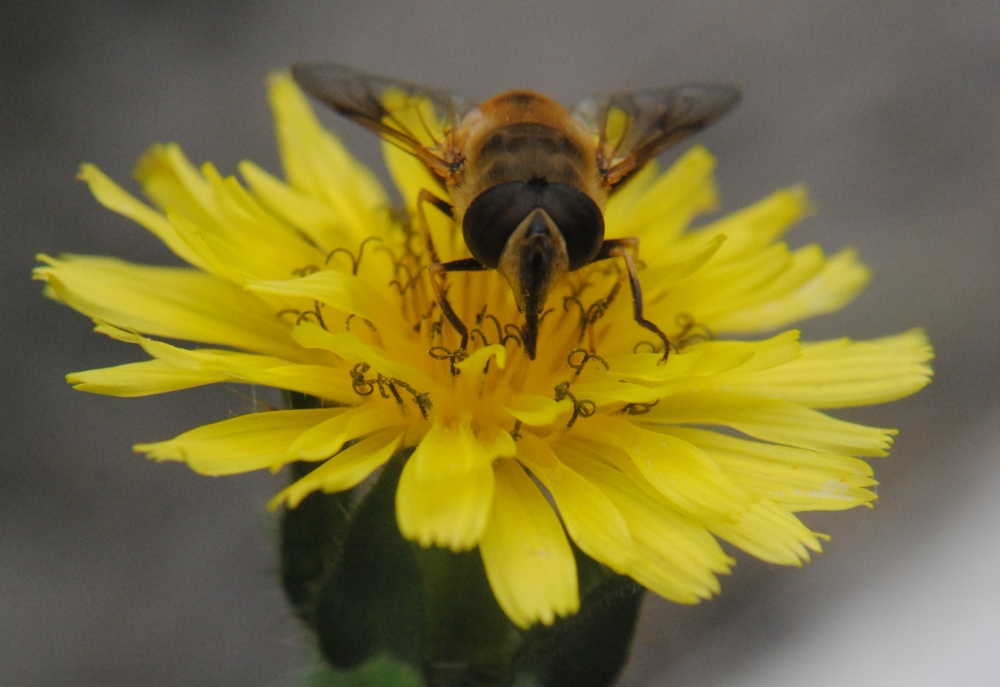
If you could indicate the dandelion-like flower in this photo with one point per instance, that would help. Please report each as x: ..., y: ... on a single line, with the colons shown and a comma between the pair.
x: 317, y: 285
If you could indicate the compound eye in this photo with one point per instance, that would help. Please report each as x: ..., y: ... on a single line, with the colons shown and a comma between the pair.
x: 492, y: 218
x: 579, y: 220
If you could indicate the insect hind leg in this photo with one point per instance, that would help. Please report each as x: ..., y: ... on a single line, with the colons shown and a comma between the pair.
x: 619, y: 248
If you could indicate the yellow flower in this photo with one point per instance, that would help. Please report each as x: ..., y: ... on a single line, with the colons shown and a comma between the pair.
x: 317, y: 285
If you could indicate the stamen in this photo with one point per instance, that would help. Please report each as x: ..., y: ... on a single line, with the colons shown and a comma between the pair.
x: 347, y: 323
x: 403, y: 288
x: 577, y: 290
x: 381, y: 382
x: 315, y: 312
x: 421, y: 398
x: 436, y: 327
x: 392, y: 388
x: 386, y: 249
x: 638, y: 408
x: 366, y: 387
x: 581, y: 408
x: 583, y: 310
x: 362, y: 386
x: 355, y: 262
x: 517, y: 340
x: 515, y: 433
x: 496, y: 323
x: 519, y: 335
x: 691, y: 332
x: 653, y: 348
x: 425, y: 316
x: 587, y: 356
x: 454, y: 357
x: 384, y: 382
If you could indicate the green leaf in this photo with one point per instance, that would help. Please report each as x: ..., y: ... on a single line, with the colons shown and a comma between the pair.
x: 467, y: 639
x: 372, y: 601
x: 590, y: 648
x: 382, y: 671
x: 312, y: 535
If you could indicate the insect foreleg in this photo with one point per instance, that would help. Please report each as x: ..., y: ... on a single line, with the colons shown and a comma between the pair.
x: 619, y: 248
x: 444, y: 206
x: 437, y: 268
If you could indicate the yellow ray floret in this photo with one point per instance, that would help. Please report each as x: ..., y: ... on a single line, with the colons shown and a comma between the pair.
x: 523, y: 533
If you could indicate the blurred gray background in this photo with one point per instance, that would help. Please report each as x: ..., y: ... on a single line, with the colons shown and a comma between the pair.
x: 117, y: 571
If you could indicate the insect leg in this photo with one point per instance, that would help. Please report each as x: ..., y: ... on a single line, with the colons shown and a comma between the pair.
x: 426, y: 196
x: 618, y: 248
x: 436, y: 268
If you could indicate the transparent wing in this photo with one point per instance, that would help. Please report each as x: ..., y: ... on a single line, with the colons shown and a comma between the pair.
x: 636, y: 126
x: 420, y: 120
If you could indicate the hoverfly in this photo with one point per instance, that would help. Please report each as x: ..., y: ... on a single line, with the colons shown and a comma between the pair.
x: 527, y: 179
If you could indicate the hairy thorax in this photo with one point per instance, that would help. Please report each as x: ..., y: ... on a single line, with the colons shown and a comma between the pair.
x: 524, y: 136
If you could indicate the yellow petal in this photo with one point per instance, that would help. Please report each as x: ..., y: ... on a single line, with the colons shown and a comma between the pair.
x: 624, y: 199
x: 669, y: 203
x: 232, y: 235
x: 410, y: 176
x: 207, y: 247
x: 590, y: 517
x: 719, y: 289
x: 770, y: 533
x: 141, y: 379
x: 769, y: 353
x: 537, y: 411
x: 754, y: 227
x: 769, y: 420
x: 317, y: 165
x: 477, y: 361
x: 496, y: 442
x: 844, y: 373
x: 253, y: 240
x: 172, y: 182
x: 328, y: 437
x: 804, y: 264
x: 794, y: 478
x: 345, y: 292
x: 354, y: 351
x: 676, y: 558
x: 528, y: 561
x: 606, y: 390
x: 842, y: 278
x: 304, y: 212
x: 115, y: 198
x: 343, y: 471
x: 177, y: 303
x: 446, y: 490
x: 707, y: 358
x: 661, y: 277
x: 683, y: 473
x: 240, y: 444
x: 322, y: 381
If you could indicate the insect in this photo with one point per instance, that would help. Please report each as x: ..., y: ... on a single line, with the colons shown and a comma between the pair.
x: 527, y: 179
